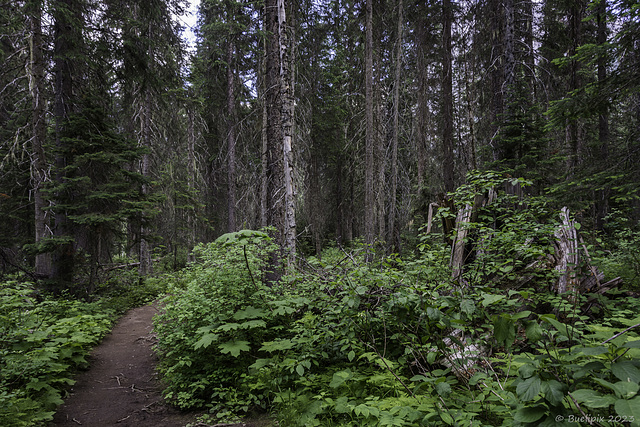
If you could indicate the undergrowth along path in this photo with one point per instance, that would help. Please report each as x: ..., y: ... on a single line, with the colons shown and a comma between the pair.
x: 121, y: 387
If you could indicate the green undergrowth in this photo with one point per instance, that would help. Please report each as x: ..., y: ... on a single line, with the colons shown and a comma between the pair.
x: 42, y: 342
x: 396, y: 341
x: 349, y: 344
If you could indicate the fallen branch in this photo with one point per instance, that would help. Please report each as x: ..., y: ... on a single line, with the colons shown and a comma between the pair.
x: 621, y: 333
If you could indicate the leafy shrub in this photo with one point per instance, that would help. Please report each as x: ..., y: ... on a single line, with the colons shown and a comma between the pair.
x: 42, y: 341
x: 212, y: 318
x: 341, y: 341
x: 622, y: 255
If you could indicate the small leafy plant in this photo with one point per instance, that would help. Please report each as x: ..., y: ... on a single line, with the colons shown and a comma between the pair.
x: 42, y: 341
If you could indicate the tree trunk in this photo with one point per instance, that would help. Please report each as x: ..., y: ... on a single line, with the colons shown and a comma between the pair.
x: 509, y: 57
x: 287, y: 110
x: 231, y: 140
x: 67, y: 39
x: 275, y: 197
x: 369, y: 196
x: 497, y: 76
x: 146, y: 266
x: 395, y: 242
x: 573, y: 131
x: 191, y: 182
x: 447, y: 98
x: 39, y: 129
x: 602, y: 196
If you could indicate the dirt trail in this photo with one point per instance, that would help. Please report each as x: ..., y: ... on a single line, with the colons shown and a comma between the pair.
x: 121, y: 388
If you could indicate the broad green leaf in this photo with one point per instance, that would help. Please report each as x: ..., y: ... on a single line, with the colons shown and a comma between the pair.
x: 526, y: 371
x: 234, y: 347
x: 242, y: 237
x: 625, y: 370
x: 433, y: 313
x: 627, y: 389
x: 554, y: 391
x: 592, y: 398
x: 467, y: 306
x: 260, y: 363
x: 629, y: 409
x: 529, y: 388
x: 249, y: 313
x: 300, y: 370
x: 443, y: 389
x: 277, y: 345
x: 592, y: 351
x: 521, y: 315
x: 361, y: 409
x: 446, y: 418
x: 342, y: 405
x: 232, y: 326
x: 256, y: 323
x: 504, y: 330
x: 632, y: 344
x: 205, y: 341
x: 608, y: 385
x: 477, y: 377
x: 529, y: 414
x: 351, y: 355
x: 340, y: 378
x: 37, y: 385
x: 491, y: 299
x: 533, y: 331
x: 565, y: 330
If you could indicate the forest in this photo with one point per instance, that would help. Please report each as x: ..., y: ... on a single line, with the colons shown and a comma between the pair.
x: 352, y: 212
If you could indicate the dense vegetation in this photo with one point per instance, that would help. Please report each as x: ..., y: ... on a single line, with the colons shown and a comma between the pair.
x: 395, y: 341
x: 44, y: 341
x: 447, y: 194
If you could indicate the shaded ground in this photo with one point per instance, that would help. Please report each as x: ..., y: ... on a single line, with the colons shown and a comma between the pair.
x: 121, y: 388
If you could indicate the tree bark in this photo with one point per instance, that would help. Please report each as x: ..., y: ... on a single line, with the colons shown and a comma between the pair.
x: 369, y: 196
x: 273, y: 96
x: 287, y: 110
x: 146, y: 266
x: 602, y: 196
x: 231, y: 140
x: 573, y: 131
x: 395, y: 242
x: 39, y: 129
x: 447, y: 98
x: 67, y: 39
x: 191, y: 182
x: 497, y: 76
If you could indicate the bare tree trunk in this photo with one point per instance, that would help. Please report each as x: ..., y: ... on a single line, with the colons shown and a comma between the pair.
x: 146, y: 266
x: 497, y: 76
x: 191, y: 182
x: 447, y: 98
x: 67, y: 16
x: 530, y: 56
x: 286, y: 84
x: 602, y: 196
x: 573, y: 132
x: 380, y: 159
x: 231, y: 140
x: 509, y: 55
x: 265, y: 165
x: 369, y: 196
x: 39, y: 129
x: 275, y: 197
x: 395, y: 242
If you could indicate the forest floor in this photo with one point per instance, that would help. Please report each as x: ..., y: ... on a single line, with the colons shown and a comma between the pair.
x: 121, y: 387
